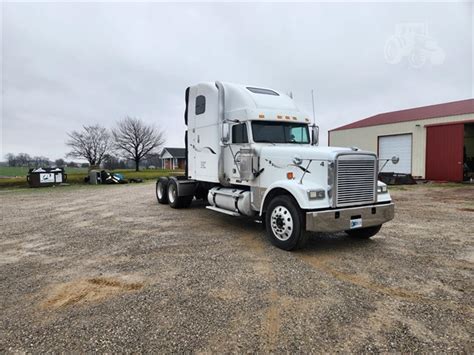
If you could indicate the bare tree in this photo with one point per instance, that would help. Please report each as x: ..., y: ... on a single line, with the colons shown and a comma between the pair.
x: 92, y: 144
x: 59, y: 163
x: 12, y: 160
x: 134, y: 140
x: 112, y: 162
x: 40, y: 161
x: 23, y: 159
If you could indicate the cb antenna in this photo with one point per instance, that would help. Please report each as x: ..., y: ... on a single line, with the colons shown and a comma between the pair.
x: 314, y: 116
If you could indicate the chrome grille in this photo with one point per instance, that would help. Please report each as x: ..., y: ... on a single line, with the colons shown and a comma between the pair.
x: 355, y: 180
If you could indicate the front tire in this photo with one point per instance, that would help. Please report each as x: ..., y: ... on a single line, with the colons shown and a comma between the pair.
x: 162, y: 190
x: 174, y: 200
x: 284, y: 223
x: 364, y: 233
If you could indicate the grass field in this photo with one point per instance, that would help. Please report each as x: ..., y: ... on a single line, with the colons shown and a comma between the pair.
x: 16, y: 177
x: 13, y: 171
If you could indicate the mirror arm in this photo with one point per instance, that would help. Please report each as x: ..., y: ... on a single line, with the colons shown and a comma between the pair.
x: 383, y: 166
x: 314, y: 134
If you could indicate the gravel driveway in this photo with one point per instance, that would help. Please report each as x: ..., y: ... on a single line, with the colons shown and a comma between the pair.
x: 105, y: 268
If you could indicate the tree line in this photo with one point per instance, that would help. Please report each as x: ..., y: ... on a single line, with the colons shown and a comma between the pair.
x: 25, y: 160
x: 130, y: 140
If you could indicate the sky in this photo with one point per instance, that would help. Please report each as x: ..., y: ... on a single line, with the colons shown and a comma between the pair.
x: 65, y: 65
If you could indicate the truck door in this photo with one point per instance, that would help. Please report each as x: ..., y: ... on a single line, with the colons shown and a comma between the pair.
x: 239, y: 139
x: 204, y: 132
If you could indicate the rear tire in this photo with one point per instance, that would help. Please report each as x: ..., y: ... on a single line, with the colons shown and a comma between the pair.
x: 364, y: 233
x: 162, y: 190
x: 284, y: 223
x: 174, y: 200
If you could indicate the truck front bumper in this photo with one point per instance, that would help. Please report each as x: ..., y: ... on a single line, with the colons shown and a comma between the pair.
x: 340, y: 219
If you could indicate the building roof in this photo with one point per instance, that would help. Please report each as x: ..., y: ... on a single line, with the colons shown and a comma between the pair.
x: 419, y: 113
x: 175, y: 152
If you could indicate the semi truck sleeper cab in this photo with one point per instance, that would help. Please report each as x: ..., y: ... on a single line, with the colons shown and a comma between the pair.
x: 251, y: 152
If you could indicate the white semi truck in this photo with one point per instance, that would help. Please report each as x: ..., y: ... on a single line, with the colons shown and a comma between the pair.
x: 251, y: 152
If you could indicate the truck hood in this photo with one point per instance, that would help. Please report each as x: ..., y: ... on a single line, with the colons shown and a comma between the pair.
x: 290, y: 151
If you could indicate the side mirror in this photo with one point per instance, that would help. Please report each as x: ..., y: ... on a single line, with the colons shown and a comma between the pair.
x: 314, y: 135
x: 225, y: 138
x: 395, y: 159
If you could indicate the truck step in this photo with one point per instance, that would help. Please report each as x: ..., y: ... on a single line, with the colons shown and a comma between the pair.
x: 221, y: 210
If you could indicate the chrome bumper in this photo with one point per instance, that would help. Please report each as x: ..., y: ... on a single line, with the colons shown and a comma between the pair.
x: 340, y: 219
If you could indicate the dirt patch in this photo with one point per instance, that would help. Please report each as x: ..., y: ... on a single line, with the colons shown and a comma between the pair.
x: 272, y: 322
x: 87, y: 290
x: 466, y: 209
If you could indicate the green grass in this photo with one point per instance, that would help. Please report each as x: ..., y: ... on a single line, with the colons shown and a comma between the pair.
x: 14, y: 171
x: 77, y: 175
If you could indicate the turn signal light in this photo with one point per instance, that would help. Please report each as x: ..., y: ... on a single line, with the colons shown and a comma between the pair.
x: 289, y: 175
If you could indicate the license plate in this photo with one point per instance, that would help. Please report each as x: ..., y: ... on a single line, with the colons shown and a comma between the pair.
x: 356, y: 223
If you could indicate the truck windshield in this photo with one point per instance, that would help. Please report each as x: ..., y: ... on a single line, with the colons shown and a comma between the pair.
x: 280, y: 132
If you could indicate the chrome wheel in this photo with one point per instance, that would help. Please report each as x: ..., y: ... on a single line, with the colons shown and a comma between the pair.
x: 281, y: 223
x: 171, y: 193
x: 160, y: 190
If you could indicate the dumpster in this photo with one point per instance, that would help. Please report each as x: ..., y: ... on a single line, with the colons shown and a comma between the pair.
x: 46, y: 177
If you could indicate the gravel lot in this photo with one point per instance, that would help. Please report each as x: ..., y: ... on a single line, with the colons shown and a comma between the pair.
x: 105, y: 268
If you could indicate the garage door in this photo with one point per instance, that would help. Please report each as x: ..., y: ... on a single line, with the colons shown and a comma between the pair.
x: 399, y: 145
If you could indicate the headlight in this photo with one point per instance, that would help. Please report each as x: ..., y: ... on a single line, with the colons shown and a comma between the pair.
x: 316, y: 194
x: 382, y: 189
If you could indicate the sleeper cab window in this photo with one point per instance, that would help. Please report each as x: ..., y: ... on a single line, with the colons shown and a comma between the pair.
x: 200, y: 104
x: 239, y: 133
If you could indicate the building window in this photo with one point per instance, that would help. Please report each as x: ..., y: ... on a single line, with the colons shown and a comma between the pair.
x: 262, y: 91
x: 200, y: 104
x: 239, y: 133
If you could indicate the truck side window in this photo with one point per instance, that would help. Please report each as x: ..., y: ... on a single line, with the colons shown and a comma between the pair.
x: 239, y: 133
x: 200, y: 104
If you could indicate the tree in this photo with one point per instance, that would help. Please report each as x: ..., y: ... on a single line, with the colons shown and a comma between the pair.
x: 23, y: 159
x: 153, y: 159
x: 11, y: 159
x: 59, y: 163
x: 134, y: 140
x: 92, y: 143
x: 112, y: 162
x: 39, y: 161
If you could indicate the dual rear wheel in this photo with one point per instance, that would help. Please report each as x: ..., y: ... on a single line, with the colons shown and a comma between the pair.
x: 167, y: 193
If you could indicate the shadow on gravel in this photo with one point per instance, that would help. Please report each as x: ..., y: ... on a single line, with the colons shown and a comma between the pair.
x: 324, y: 242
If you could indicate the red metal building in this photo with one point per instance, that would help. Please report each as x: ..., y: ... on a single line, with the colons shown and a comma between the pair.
x: 433, y: 142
